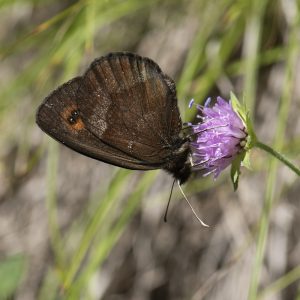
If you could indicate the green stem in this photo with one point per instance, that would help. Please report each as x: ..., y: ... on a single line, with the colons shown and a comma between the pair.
x: 278, y: 156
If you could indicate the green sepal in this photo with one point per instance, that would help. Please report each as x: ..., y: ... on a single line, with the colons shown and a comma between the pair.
x: 239, y: 108
x: 244, y: 157
x: 251, y: 140
x: 244, y: 114
x: 246, y: 161
x: 235, y: 169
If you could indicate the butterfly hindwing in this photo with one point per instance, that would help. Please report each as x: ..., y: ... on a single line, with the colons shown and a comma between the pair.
x: 131, y: 96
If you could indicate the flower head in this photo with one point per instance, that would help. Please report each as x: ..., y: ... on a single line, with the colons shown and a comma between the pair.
x: 220, y: 136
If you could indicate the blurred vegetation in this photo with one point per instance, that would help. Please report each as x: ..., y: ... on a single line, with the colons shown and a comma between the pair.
x: 44, y: 43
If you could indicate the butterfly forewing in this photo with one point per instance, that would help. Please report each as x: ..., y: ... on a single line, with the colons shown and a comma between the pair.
x: 54, y: 116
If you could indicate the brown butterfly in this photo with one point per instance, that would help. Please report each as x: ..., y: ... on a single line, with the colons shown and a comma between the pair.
x: 122, y: 111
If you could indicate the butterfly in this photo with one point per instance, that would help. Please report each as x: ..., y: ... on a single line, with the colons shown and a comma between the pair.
x: 122, y: 111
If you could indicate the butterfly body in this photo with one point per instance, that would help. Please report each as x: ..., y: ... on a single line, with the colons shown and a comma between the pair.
x: 122, y: 111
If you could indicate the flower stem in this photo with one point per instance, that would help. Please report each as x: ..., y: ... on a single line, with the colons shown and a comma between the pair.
x: 277, y: 155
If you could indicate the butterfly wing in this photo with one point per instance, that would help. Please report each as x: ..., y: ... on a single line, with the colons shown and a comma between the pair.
x: 122, y: 111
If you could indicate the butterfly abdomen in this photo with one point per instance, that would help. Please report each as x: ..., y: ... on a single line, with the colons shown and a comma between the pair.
x: 178, y: 164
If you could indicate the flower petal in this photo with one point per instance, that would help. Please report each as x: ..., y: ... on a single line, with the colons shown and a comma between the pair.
x: 218, y: 137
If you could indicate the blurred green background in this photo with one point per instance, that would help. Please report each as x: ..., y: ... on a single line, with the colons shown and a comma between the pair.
x: 75, y: 228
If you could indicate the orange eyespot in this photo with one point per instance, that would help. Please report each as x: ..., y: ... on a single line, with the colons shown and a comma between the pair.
x: 72, y: 117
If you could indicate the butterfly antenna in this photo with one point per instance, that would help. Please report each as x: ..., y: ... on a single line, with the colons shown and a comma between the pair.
x: 202, y: 223
x: 167, y: 208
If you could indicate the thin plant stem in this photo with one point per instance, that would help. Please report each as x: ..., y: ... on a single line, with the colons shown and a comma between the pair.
x: 278, y: 143
x: 251, y: 49
x: 279, y: 156
x: 281, y: 283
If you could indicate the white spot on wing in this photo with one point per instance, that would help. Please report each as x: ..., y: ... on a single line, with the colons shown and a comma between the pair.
x: 98, y: 118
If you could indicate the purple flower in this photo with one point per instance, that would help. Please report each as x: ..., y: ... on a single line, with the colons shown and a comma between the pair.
x: 219, y: 137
